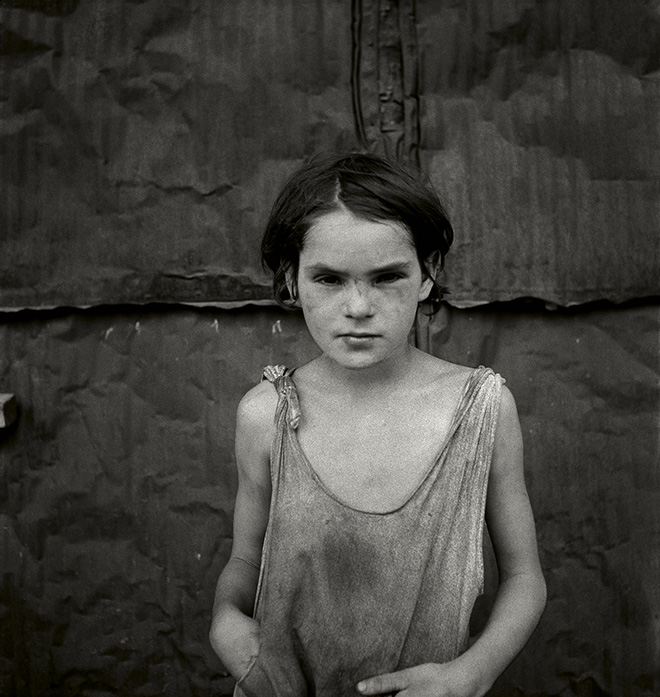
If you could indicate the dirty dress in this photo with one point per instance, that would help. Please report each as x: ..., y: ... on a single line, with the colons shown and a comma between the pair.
x: 345, y: 594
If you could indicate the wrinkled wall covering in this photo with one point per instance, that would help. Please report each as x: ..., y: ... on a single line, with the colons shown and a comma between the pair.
x: 118, y: 482
x: 117, y: 490
x: 586, y: 386
x: 144, y: 142
x: 539, y: 121
x: 141, y: 145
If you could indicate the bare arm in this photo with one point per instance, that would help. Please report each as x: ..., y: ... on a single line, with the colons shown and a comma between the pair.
x: 521, y: 592
x: 234, y: 635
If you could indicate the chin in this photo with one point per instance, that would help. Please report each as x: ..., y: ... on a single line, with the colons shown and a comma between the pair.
x: 358, y: 362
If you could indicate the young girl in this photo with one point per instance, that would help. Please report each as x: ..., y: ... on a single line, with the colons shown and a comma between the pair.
x: 365, y: 475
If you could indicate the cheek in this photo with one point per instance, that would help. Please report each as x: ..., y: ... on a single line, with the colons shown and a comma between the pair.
x: 399, y: 309
x: 307, y: 294
x: 407, y: 297
x: 314, y: 302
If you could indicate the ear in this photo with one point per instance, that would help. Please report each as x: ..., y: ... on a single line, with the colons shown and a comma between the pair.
x: 291, y: 285
x: 430, y: 270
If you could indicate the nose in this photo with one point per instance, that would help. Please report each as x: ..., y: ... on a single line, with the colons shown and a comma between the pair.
x: 358, y: 301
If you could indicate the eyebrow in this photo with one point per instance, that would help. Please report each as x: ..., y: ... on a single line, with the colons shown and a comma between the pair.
x: 388, y: 268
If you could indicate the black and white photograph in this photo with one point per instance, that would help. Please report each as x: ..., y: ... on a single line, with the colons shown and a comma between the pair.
x: 329, y: 348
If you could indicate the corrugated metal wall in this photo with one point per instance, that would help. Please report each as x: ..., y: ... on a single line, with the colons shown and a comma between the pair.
x: 141, y: 145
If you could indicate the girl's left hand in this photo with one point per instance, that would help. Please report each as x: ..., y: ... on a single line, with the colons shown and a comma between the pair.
x: 427, y: 680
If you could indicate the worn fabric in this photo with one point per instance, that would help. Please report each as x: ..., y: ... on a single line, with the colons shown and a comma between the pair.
x: 346, y: 594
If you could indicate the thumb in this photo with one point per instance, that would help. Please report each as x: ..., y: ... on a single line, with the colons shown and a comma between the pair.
x: 383, y: 684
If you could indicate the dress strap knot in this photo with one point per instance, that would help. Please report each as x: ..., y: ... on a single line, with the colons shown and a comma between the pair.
x: 280, y: 376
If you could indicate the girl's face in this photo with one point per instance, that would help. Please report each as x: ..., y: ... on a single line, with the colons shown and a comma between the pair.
x: 359, y: 284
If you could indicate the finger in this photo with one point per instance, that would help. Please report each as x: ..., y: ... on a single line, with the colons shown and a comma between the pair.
x: 382, y: 684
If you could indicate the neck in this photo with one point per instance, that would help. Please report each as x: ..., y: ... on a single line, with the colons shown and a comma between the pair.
x: 385, y: 376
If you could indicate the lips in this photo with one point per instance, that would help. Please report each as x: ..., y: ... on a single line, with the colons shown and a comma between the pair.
x: 359, y: 335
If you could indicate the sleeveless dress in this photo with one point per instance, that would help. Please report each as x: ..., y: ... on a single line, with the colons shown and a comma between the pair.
x: 345, y: 594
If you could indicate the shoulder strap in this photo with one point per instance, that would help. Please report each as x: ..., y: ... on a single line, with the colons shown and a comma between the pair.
x: 288, y: 404
x: 483, y: 384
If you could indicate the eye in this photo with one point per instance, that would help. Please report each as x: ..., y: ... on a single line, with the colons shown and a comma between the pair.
x: 391, y: 277
x: 328, y: 280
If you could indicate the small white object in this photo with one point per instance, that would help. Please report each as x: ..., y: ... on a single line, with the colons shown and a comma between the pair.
x: 8, y: 410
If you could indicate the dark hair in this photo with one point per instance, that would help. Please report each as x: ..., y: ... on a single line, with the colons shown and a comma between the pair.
x: 369, y: 186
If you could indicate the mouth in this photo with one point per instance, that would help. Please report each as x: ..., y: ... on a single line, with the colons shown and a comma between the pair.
x: 359, y: 340
x: 358, y: 335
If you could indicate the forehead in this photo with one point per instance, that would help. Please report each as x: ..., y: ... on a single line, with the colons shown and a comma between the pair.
x: 341, y: 238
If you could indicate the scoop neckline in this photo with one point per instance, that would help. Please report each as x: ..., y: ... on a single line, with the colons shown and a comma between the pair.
x: 455, y: 421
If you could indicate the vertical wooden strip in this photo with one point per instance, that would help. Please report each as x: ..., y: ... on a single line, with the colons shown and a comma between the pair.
x: 364, y: 79
x: 410, y: 76
x: 356, y: 58
x: 390, y: 94
x: 384, y: 77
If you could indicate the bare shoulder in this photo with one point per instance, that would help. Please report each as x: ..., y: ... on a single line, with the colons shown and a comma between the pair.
x: 508, y: 403
x: 255, y: 424
x: 508, y: 424
x: 257, y: 407
x: 508, y: 447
